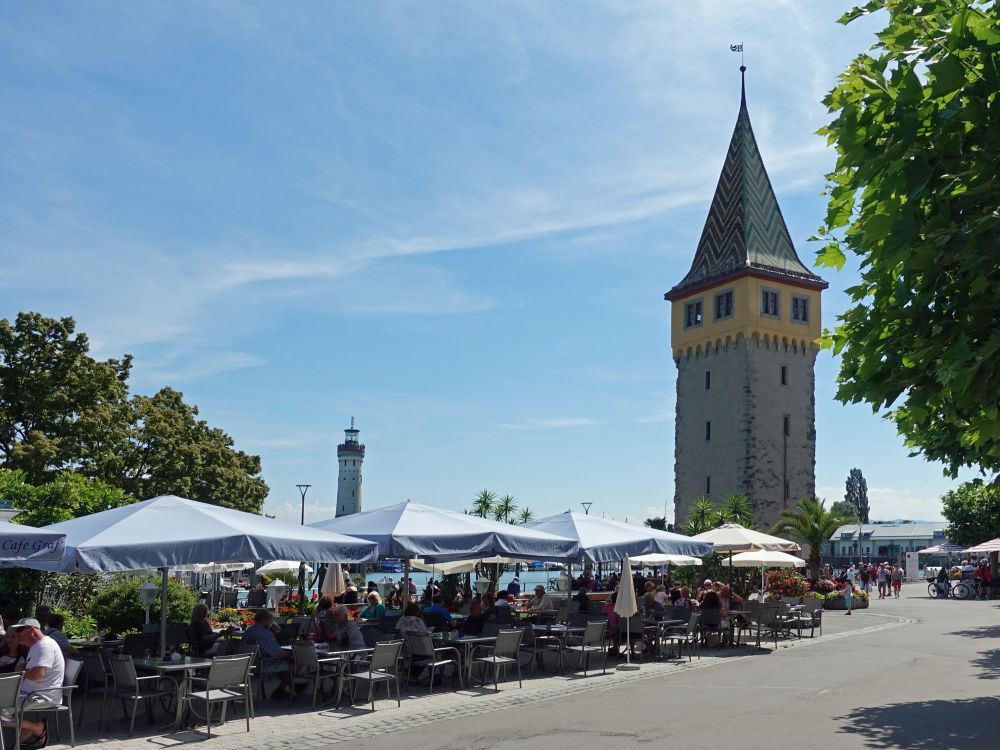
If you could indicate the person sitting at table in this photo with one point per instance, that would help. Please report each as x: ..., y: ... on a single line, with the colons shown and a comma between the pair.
x: 55, y: 632
x: 274, y: 660
x: 374, y: 609
x: 685, y: 598
x: 711, y: 600
x: 345, y: 634
x: 44, y: 667
x: 11, y: 654
x: 202, y: 638
x: 651, y: 607
x: 437, y: 607
x: 730, y: 599
x: 660, y: 595
x: 541, y: 601
x: 474, y: 623
x: 350, y: 596
x: 322, y: 622
x: 411, y: 621
x: 582, y: 598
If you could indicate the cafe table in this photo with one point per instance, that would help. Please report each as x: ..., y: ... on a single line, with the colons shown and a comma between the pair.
x: 468, y: 645
x: 560, y: 632
x: 346, y: 655
x: 179, y: 671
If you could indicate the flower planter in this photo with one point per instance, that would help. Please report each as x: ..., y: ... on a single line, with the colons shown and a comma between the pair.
x: 841, y: 603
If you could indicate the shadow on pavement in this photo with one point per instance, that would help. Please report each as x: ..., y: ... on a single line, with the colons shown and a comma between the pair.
x: 989, y: 663
x: 927, y: 725
x: 984, y: 631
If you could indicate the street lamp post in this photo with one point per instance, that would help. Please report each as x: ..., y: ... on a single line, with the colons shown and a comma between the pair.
x: 303, y: 489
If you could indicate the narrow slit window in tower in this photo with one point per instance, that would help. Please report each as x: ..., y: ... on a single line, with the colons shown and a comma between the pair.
x: 708, y: 430
x: 784, y: 375
x: 708, y: 379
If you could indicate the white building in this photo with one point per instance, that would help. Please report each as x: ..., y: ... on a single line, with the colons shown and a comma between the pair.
x: 350, y: 457
x: 884, y: 541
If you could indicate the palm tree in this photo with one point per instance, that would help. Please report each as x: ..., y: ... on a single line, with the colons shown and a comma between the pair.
x: 482, y: 506
x: 812, y: 524
x: 526, y: 515
x: 736, y: 508
x: 505, y: 508
x: 702, y: 517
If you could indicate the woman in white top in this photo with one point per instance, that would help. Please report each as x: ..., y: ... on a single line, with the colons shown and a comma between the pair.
x: 411, y: 621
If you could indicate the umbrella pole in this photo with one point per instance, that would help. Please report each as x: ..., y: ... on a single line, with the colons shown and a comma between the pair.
x: 405, y: 594
x: 165, y: 577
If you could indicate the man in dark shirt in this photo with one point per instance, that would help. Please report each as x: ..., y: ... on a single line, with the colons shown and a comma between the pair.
x: 274, y: 660
x: 474, y: 623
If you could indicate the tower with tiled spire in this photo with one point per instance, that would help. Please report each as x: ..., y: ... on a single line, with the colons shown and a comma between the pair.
x: 744, y: 321
x: 350, y: 457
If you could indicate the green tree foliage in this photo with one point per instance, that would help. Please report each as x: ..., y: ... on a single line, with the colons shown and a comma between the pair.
x: 844, y: 508
x: 705, y: 515
x: 505, y: 509
x: 482, y: 506
x: 60, y: 410
x: 117, y: 607
x: 486, y: 504
x: 658, y: 522
x: 914, y: 196
x: 973, y: 512
x: 810, y: 524
x: 856, y: 493
x: 702, y: 517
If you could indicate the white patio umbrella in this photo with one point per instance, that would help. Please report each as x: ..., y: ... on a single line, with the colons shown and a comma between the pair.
x: 626, y: 606
x: 333, y: 581
x: 993, y: 545
x: 19, y: 543
x: 168, y: 531
x: 281, y: 566
x: 460, y: 566
x: 765, y: 559
x: 732, y: 537
x: 650, y: 560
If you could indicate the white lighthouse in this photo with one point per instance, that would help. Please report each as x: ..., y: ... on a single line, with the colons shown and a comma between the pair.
x: 350, y: 457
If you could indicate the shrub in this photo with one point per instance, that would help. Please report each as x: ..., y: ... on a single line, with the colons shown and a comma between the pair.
x: 785, y: 582
x: 117, y: 607
x: 824, y: 586
x: 78, y: 626
x: 226, y: 614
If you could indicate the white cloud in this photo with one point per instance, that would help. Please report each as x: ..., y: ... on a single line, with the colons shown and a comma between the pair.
x: 551, y: 423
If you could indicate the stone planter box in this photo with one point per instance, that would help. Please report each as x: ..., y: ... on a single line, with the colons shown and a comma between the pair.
x: 841, y: 604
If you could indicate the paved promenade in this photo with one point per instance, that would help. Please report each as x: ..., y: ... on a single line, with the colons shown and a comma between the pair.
x: 910, y: 673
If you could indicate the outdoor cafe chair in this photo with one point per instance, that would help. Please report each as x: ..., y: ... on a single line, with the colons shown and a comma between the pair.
x: 811, y: 616
x: 686, y: 636
x: 256, y: 598
x: 96, y: 678
x: 503, y: 653
x: 129, y: 688
x: 10, y: 691
x: 228, y: 681
x: 767, y: 622
x: 421, y: 654
x: 141, y: 645
x: 71, y: 674
x: 491, y: 630
x: 312, y: 669
x: 747, y: 622
x: 633, y: 633
x: 382, y: 667
x: 536, y: 646
x: 592, y: 642
x: 434, y: 620
x: 288, y: 633
x: 710, y: 623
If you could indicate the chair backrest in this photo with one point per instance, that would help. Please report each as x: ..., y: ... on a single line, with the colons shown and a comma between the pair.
x: 508, y: 643
x: 491, y: 630
x: 303, y: 621
x: 229, y: 671
x: 693, y: 622
x: 288, y: 633
x: 373, y: 636
x: 679, y: 613
x: 10, y: 689
x: 634, y: 626
x: 594, y: 633
x: 385, y: 656
x: 562, y: 614
x: 256, y: 598
x: 94, y: 668
x: 305, y: 655
x: 229, y: 599
x: 528, y: 636
x: 71, y: 672
x: 123, y: 670
x: 711, y: 618
x: 767, y: 615
x: 811, y: 605
x: 137, y: 644
x: 574, y: 607
x: 433, y: 620
x: 177, y: 634
x: 420, y: 644
x: 388, y: 623
x: 504, y: 616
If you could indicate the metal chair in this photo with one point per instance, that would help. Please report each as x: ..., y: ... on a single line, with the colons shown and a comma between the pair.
x: 537, y: 646
x: 71, y: 674
x: 256, y: 599
x: 503, y: 654
x: 96, y: 677
x: 311, y: 668
x: 10, y: 691
x: 288, y: 633
x: 767, y: 622
x: 129, y: 688
x: 228, y: 681
x: 709, y: 623
x: 591, y: 643
x: 421, y: 653
x: 688, y: 636
x: 382, y: 667
x: 141, y: 645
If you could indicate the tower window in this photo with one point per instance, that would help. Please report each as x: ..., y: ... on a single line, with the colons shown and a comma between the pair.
x: 769, y: 300
x: 692, y: 314
x: 708, y: 430
x: 786, y: 424
x: 708, y: 380
x: 800, y: 309
x: 784, y: 375
x: 708, y: 485
x: 723, y: 305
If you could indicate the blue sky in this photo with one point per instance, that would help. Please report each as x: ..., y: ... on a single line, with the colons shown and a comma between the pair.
x: 454, y: 221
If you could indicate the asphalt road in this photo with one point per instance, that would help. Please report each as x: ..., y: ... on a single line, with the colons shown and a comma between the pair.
x: 930, y: 684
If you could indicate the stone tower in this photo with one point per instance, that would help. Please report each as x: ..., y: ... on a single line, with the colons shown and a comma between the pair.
x: 744, y: 321
x: 350, y: 457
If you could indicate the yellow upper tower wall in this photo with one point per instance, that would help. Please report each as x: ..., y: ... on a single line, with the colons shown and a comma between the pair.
x: 748, y: 316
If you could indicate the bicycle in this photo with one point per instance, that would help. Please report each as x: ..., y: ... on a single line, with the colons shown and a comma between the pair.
x: 964, y: 590
x: 939, y: 591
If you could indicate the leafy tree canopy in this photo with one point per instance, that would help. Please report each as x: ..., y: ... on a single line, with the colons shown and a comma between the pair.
x: 856, y: 493
x: 914, y: 196
x: 973, y: 512
x: 61, y: 410
x: 811, y: 524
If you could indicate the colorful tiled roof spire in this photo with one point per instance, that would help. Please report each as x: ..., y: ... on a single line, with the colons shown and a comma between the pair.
x: 744, y: 230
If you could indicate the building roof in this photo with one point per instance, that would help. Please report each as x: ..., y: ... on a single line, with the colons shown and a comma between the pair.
x: 920, y: 530
x: 745, y: 230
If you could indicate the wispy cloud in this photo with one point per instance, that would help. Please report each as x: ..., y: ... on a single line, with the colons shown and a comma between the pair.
x: 551, y: 423
x: 888, y: 503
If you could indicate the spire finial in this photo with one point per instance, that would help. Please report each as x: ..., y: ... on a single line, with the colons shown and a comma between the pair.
x: 743, y: 87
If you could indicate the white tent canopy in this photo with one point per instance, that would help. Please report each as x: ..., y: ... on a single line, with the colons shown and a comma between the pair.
x: 603, y: 540
x: 655, y: 559
x: 731, y: 537
x: 765, y: 559
x: 946, y: 548
x: 19, y: 543
x: 169, y: 531
x: 460, y: 566
x: 410, y: 530
x: 214, y: 567
x: 993, y: 545
x: 281, y: 566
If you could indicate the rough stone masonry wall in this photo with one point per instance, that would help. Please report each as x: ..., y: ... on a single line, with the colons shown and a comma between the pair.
x: 746, y: 404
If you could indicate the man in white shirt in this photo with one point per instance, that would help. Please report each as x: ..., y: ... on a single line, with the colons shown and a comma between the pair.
x: 541, y: 601
x: 43, y: 675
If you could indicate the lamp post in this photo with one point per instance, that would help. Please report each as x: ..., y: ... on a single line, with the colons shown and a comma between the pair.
x: 303, y: 489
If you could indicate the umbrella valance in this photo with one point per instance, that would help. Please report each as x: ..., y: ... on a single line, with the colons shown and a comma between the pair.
x: 993, y: 545
x: 20, y: 543
x: 654, y: 559
x: 460, y: 566
x: 732, y: 537
x: 603, y: 540
x: 765, y: 559
x: 410, y: 530
x: 169, y: 531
